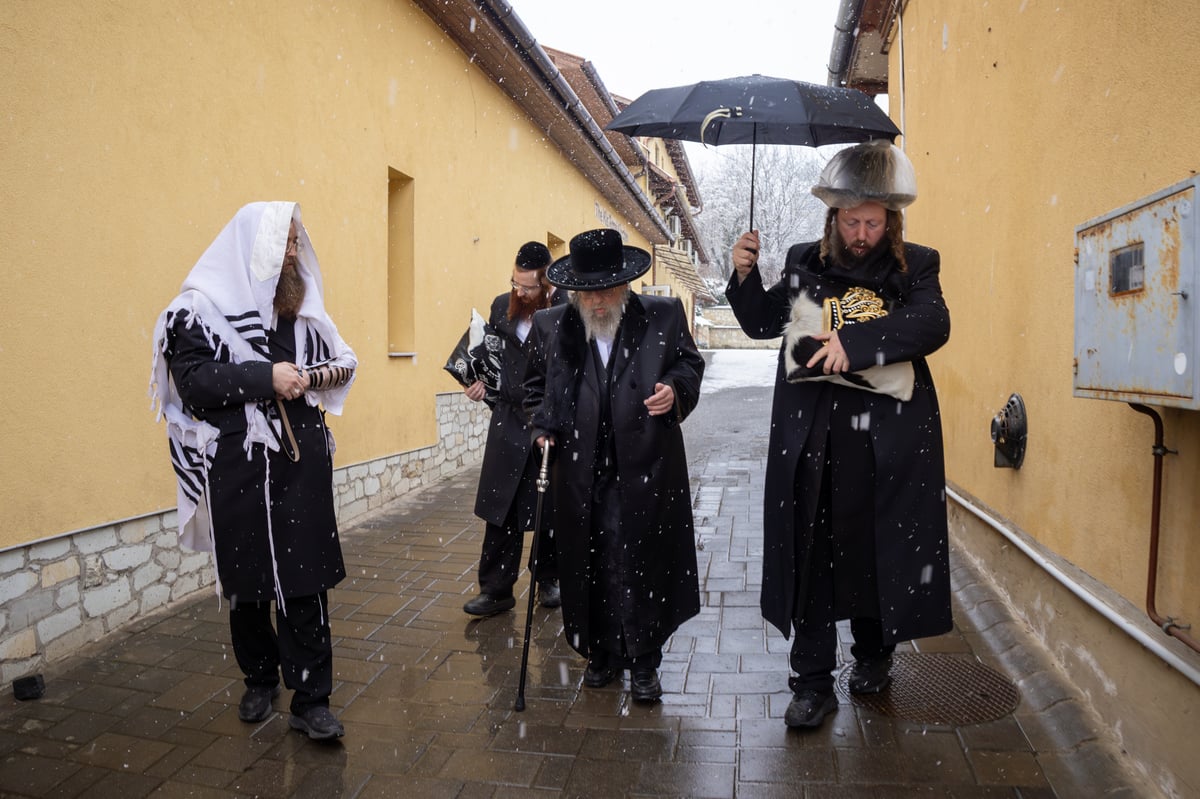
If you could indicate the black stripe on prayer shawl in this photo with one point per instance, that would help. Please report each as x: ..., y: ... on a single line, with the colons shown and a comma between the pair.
x: 188, y: 458
x: 249, y: 326
x: 318, y: 350
x: 186, y: 463
x: 251, y: 317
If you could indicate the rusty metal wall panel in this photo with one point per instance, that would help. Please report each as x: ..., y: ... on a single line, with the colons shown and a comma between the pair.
x: 1135, y: 316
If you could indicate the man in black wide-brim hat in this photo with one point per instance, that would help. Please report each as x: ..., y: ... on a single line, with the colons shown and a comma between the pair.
x: 610, y: 377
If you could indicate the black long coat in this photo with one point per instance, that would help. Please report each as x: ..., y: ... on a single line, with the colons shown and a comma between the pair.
x: 653, y: 346
x: 507, y: 473
x: 908, y: 492
x: 307, y: 552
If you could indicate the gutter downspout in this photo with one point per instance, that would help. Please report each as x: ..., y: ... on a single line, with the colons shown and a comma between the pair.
x: 848, y: 14
x: 1155, y: 645
x: 1167, y: 624
x: 506, y: 18
x: 900, y: 43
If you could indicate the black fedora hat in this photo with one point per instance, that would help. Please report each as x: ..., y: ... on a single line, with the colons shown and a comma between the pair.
x: 597, y: 261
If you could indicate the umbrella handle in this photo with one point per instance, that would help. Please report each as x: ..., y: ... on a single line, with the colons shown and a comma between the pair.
x: 753, y: 164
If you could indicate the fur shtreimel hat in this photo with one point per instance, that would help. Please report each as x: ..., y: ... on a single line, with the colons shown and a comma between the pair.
x: 875, y: 171
x: 532, y: 256
x: 598, y: 260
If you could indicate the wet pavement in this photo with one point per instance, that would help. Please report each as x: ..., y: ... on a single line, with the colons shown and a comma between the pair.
x: 427, y: 693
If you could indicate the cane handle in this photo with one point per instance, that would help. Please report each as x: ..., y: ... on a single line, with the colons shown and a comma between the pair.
x: 542, y: 479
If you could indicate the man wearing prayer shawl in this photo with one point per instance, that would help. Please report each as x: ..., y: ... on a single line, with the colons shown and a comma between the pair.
x: 246, y: 364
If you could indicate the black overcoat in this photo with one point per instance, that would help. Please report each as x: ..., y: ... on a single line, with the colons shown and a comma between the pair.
x: 908, y: 492
x: 506, y: 455
x: 303, y: 522
x: 653, y: 346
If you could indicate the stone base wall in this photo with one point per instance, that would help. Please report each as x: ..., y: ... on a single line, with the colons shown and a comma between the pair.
x: 59, y: 594
x: 719, y: 330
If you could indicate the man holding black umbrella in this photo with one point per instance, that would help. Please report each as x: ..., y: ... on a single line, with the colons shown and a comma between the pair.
x: 610, y: 378
x: 854, y: 519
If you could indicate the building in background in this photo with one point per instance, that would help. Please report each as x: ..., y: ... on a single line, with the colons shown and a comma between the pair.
x: 425, y: 141
x: 663, y: 172
x: 1055, y: 153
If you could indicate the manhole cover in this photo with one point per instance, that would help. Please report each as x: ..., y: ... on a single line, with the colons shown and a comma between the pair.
x: 939, y: 689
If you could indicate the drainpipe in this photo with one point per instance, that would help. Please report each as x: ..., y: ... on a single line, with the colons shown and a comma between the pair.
x: 844, y: 26
x: 1154, y: 644
x: 1167, y: 624
x: 900, y: 43
x: 505, y: 17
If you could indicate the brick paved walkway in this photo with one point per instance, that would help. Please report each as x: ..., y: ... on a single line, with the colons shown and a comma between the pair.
x: 427, y: 694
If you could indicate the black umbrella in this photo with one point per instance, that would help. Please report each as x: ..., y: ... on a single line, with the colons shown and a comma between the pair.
x: 756, y: 109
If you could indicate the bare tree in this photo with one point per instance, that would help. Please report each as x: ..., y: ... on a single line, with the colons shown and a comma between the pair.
x: 785, y: 211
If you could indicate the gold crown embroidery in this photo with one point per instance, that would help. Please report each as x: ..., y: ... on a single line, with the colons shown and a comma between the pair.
x: 856, y: 305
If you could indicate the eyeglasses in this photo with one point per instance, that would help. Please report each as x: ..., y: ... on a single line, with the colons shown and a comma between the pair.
x: 517, y: 287
x: 293, y: 244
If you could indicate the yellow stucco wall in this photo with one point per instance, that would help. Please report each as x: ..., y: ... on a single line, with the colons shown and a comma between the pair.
x: 132, y: 132
x: 1024, y: 120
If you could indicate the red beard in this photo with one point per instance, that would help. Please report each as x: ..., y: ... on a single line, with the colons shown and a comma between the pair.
x: 521, y: 307
x: 289, y: 292
x: 848, y: 259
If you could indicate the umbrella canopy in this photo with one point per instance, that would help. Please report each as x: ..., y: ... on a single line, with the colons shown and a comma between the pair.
x: 756, y: 109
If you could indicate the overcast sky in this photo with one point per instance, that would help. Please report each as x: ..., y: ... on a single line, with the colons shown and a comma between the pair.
x: 638, y: 45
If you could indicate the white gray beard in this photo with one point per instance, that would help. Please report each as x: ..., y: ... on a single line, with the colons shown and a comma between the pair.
x: 602, y: 327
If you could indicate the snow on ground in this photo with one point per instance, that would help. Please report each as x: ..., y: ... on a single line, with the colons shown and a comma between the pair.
x: 739, y: 369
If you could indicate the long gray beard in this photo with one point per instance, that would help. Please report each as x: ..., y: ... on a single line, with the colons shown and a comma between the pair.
x: 603, y: 328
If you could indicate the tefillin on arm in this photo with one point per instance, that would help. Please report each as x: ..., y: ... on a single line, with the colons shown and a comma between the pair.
x: 320, y: 377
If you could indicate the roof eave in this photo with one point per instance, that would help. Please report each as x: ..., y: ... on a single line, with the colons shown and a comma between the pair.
x: 497, y: 42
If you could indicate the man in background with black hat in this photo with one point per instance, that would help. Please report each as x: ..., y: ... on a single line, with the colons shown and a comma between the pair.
x: 610, y: 378
x: 507, y: 494
x: 854, y: 520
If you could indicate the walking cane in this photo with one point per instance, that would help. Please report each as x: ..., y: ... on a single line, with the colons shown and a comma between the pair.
x: 542, y: 482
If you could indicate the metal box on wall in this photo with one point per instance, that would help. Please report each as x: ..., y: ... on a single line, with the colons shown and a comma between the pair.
x: 1135, y: 297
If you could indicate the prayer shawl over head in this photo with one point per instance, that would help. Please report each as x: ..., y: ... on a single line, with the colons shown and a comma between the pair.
x: 230, y: 295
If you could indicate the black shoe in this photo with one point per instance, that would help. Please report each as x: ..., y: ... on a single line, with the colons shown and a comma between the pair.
x: 869, y: 676
x: 489, y: 604
x: 645, y: 685
x: 548, y: 594
x: 318, y: 723
x: 256, y: 702
x: 598, y: 676
x: 809, y: 708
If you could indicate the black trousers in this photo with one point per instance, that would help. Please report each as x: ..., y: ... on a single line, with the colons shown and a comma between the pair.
x: 838, y: 577
x: 500, y: 559
x: 301, y: 647
x: 814, y: 647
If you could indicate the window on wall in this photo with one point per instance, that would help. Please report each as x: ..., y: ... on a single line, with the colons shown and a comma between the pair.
x: 401, y: 267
